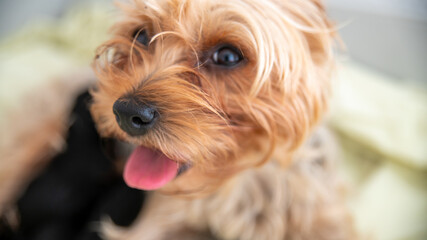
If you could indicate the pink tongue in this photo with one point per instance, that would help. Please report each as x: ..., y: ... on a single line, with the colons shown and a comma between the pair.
x: 148, y: 169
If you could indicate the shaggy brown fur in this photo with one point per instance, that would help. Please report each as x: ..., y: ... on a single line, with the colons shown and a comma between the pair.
x: 211, y: 116
x: 259, y: 169
x: 239, y: 128
x: 303, y: 202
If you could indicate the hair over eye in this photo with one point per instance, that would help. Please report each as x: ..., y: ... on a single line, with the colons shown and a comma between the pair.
x: 141, y: 36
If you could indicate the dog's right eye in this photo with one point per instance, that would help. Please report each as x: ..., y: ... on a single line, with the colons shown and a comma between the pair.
x: 141, y: 36
x: 227, y: 56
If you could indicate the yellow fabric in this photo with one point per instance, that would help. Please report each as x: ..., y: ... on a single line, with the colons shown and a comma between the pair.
x: 382, y: 125
x: 383, y: 113
x: 48, y: 49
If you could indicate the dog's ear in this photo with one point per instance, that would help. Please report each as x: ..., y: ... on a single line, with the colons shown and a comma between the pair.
x: 294, y: 97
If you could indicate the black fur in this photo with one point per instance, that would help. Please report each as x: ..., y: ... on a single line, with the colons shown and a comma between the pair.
x: 79, y: 187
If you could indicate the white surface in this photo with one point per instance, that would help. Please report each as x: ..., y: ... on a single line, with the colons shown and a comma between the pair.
x: 412, y: 9
x: 388, y: 35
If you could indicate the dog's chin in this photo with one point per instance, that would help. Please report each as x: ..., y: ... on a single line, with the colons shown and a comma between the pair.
x: 150, y: 169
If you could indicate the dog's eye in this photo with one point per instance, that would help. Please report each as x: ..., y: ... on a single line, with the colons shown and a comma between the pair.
x: 141, y: 36
x: 227, y: 56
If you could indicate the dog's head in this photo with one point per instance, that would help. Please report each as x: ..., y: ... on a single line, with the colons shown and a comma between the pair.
x: 208, y: 88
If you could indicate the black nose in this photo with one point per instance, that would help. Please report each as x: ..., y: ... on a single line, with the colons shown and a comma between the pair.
x: 134, y: 117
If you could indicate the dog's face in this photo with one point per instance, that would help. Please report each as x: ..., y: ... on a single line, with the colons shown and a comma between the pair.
x: 208, y: 88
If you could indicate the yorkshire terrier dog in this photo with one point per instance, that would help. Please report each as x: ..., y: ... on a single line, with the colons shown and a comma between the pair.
x: 221, y: 102
x: 218, y: 98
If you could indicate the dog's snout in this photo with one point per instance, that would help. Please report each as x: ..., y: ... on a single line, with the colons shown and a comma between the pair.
x: 134, y: 117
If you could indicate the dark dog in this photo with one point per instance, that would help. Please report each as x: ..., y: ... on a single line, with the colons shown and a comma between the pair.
x: 78, y: 188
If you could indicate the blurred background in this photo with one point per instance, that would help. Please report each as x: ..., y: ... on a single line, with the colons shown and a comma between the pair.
x: 379, y: 110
